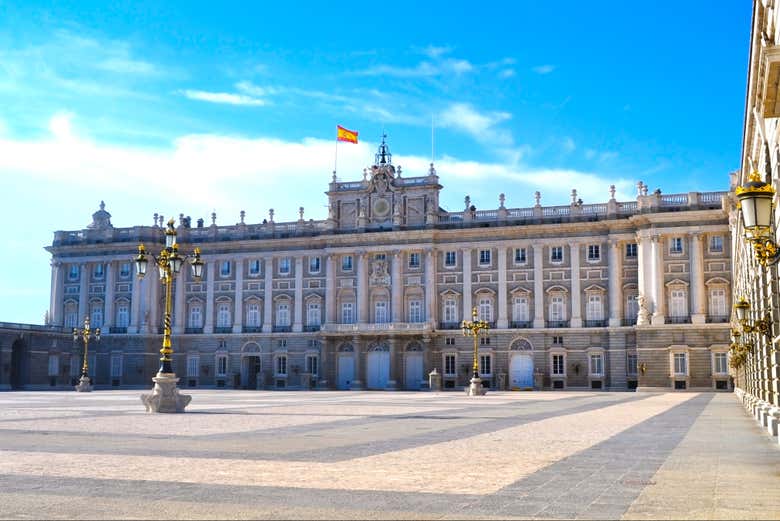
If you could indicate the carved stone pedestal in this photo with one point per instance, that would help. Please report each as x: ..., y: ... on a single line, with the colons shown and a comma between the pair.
x: 84, y: 385
x: 475, y: 388
x: 165, y: 396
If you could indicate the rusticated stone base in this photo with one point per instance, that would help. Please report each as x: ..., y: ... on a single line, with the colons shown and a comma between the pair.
x: 475, y: 388
x: 84, y: 385
x: 165, y: 396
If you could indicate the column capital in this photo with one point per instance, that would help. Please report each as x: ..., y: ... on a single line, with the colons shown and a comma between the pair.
x: 697, y: 235
x: 614, y: 243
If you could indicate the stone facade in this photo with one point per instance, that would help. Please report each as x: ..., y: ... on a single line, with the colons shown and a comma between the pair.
x: 758, y: 380
x: 372, y: 297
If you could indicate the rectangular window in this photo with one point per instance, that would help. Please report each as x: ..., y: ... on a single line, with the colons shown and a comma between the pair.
x: 312, y: 364
x: 73, y: 272
x: 380, y: 312
x: 632, y: 307
x: 196, y: 317
x: 414, y: 260
x: 596, y: 365
x: 594, y: 252
x: 675, y: 245
x: 124, y: 270
x: 486, y: 310
x: 520, y: 309
x: 281, y: 365
x: 484, y: 365
x: 116, y: 366
x: 449, y: 259
x: 415, y: 311
x: 631, y: 364
x: 253, y: 314
x: 558, y: 340
x: 520, y: 256
x: 484, y: 340
x: 347, y: 314
x: 98, y: 272
x: 96, y: 316
x: 558, y: 365
x: 254, y: 267
x: 281, y: 343
x: 594, y: 309
x: 193, y: 366
x: 449, y: 341
x: 679, y: 303
x: 718, y: 302
x: 680, y: 364
x: 556, y: 254
x: 283, y: 315
x: 223, y: 315
x: 122, y: 315
x: 484, y: 257
x: 284, y: 266
x: 346, y: 263
x: 314, y: 264
x: 449, y: 364
x: 54, y: 365
x: 450, y: 310
x: 721, y: 363
x: 716, y: 244
x: 224, y: 269
x: 222, y: 364
x: 380, y: 256
x: 313, y: 315
x: 631, y: 250
x: 557, y: 312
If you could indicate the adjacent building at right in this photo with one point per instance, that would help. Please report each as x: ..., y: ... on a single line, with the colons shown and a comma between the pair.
x: 754, y: 222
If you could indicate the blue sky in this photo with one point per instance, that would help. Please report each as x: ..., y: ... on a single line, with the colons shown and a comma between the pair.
x: 194, y: 107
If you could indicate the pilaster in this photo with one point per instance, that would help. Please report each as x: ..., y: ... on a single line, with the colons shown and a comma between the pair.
x: 615, y: 271
x: 179, y: 303
x: 659, y: 290
x: 84, y: 295
x: 154, y: 306
x: 430, y: 288
x: 503, y: 320
x: 698, y: 299
x: 357, y: 382
x: 397, y: 287
x: 576, y: 292
x: 466, y: 283
x: 268, y: 295
x: 208, y: 324
x: 135, y: 302
x: 57, y: 291
x: 108, y: 304
x: 298, y: 314
x: 362, y: 297
x: 330, y: 289
x: 538, y: 285
x: 238, y: 308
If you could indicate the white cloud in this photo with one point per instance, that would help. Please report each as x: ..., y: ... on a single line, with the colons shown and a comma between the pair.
x: 434, y: 52
x: 544, y: 69
x: 481, y: 126
x: 127, y: 66
x: 568, y: 145
x: 223, y: 97
x: 506, y: 73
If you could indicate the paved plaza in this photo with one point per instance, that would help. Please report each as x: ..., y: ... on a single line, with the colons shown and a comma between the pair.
x: 255, y: 454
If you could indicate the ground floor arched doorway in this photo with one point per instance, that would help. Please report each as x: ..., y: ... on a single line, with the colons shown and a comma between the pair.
x: 413, y: 363
x: 378, y: 366
x: 346, y: 371
x: 18, y: 364
x: 521, y: 371
x: 250, y: 371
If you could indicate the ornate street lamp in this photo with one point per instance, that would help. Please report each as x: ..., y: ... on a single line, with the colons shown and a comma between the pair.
x: 473, y: 328
x: 762, y: 325
x: 165, y: 396
x: 85, y: 334
x: 756, y: 201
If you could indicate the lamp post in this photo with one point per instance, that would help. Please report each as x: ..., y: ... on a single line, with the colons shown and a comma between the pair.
x: 85, y: 334
x: 762, y: 325
x: 473, y: 328
x: 165, y: 396
x: 756, y: 200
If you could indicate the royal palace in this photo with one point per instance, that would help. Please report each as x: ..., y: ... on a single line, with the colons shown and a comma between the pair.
x: 617, y: 295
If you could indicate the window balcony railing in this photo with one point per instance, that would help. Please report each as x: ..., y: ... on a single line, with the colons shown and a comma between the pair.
x: 679, y: 320
x: 628, y: 321
x: 449, y: 325
x: 557, y: 323
x: 252, y: 329
x: 717, y: 319
x: 193, y: 330
x: 520, y: 324
x: 595, y: 323
x: 223, y: 329
x: 313, y: 328
x: 282, y: 329
x: 118, y: 330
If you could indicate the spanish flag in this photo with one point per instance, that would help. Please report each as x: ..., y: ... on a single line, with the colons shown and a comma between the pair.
x: 342, y: 134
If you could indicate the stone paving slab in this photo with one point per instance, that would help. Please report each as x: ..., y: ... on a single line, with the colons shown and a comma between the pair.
x: 369, y: 455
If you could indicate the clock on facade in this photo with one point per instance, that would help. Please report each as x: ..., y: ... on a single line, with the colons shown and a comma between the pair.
x: 381, y: 208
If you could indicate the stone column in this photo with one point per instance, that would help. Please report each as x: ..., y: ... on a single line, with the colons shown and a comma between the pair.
x: 362, y: 289
x: 84, y: 295
x: 298, y: 314
x: 698, y: 296
x: 268, y: 295
x: 154, y: 306
x: 430, y: 288
x: 538, y: 285
x: 659, y: 297
x: 397, y: 287
x: 57, y: 290
x: 357, y: 382
x: 395, y: 364
x: 503, y: 320
x: 238, y: 308
x: 615, y: 283
x: 179, y: 303
x: 108, y: 304
x: 135, y: 301
x: 466, y: 283
x: 644, y: 276
x: 208, y: 324
x: 576, y: 292
x: 330, y: 290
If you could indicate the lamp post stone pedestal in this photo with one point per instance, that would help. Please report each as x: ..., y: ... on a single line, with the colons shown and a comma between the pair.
x: 85, y: 385
x: 165, y: 396
x: 475, y: 387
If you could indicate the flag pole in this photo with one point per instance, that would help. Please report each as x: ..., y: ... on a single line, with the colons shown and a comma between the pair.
x: 336, y: 158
